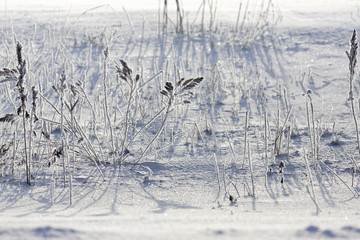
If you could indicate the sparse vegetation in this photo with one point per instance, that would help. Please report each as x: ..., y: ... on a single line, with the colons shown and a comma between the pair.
x: 83, y: 106
x: 206, y: 116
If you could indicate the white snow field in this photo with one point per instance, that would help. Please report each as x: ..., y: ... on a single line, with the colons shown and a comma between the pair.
x: 257, y: 142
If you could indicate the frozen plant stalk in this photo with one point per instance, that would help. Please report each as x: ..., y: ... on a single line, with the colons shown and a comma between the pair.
x: 312, y: 134
x: 352, y: 64
x: 107, y: 117
x: 33, y: 119
x: 60, y: 89
x: 71, y: 107
x: 22, y: 109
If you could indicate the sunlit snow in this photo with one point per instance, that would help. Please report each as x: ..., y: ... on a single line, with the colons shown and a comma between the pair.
x: 195, y: 163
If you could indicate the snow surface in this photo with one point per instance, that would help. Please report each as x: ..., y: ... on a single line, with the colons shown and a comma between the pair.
x: 174, y: 192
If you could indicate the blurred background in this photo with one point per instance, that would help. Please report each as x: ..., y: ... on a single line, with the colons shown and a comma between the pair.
x: 133, y: 5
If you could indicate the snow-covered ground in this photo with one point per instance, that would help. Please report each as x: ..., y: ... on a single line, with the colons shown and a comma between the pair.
x: 262, y: 62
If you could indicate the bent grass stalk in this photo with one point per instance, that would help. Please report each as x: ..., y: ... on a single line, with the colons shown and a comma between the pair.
x: 168, y: 108
x: 145, y: 126
x: 352, y: 190
x: 311, y: 182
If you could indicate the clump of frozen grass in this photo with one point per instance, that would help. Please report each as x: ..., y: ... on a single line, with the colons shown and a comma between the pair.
x: 125, y: 73
x: 183, y: 87
x: 18, y: 75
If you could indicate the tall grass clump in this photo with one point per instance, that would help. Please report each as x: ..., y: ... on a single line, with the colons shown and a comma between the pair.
x: 18, y: 75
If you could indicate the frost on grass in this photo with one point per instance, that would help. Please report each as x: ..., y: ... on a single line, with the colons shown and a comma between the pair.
x: 116, y: 114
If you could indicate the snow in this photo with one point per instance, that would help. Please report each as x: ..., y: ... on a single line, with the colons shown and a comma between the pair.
x: 174, y: 192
